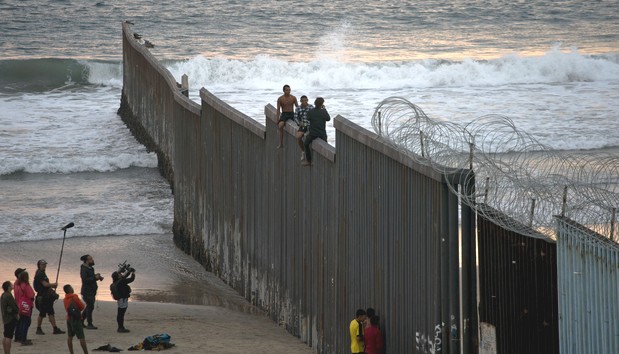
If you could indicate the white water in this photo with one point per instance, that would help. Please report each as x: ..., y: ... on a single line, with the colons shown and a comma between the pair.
x: 567, y: 100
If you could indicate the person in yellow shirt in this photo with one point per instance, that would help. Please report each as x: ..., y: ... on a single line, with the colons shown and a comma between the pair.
x: 356, y: 332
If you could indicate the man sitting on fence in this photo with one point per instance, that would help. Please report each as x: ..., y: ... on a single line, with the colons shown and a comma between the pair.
x: 285, y: 112
x: 318, y: 118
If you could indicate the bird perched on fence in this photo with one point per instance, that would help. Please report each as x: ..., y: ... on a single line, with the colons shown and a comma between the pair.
x: 148, y: 44
x: 137, y: 36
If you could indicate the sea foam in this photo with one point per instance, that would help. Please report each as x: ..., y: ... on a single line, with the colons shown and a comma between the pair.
x: 265, y: 72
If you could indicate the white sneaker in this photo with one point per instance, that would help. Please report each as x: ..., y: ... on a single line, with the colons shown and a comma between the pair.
x: 302, y: 156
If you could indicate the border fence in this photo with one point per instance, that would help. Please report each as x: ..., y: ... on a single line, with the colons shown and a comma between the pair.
x: 370, y: 224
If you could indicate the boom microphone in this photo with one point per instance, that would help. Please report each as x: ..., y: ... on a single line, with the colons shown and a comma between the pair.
x: 68, y: 226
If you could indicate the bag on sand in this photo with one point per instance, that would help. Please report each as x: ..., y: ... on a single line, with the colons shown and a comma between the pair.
x: 157, y: 340
x: 108, y: 348
x: 154, y: 342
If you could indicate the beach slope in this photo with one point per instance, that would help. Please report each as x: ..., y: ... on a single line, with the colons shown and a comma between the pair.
x: 172, y: 294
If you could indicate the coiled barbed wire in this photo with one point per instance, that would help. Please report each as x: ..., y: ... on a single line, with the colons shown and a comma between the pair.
x: 514, y: 173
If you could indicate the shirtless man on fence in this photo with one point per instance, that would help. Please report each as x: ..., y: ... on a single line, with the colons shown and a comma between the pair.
x: 286, y: 104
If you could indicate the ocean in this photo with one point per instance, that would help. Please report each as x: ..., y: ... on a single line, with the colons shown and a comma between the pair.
x: 65, y: 155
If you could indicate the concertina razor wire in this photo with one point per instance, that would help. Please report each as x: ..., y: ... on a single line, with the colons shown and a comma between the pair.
x: 515, y: 175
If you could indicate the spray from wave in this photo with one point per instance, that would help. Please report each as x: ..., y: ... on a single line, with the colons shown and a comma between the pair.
x: 324, y: 72
x: 328, y: 69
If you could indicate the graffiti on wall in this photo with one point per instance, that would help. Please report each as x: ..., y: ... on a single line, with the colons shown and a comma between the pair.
x: 425, y: 343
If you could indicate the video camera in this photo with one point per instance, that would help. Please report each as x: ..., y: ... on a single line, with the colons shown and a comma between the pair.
x: 124, y: 269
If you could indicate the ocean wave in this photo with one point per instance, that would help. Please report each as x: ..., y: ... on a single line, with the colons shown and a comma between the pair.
x: 41, y: 75
x: 265, y: 72
x: 74, y: 164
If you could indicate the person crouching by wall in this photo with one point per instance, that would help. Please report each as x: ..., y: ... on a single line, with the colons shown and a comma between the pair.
x: 121, y: 294
x: 318, y: 118
x: 74, y: 324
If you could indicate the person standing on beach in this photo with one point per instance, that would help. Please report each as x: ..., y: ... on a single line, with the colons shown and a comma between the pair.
x: 9, y: 315
x: 369, y: 313
x: 24, y: 296
x: 89, y: 287
x: 373, y: 337
x: 356, y: 332
x: 46, y: 296
x: 74, y: 325
x: 318, y: 118
x: 285, y: 111
x: 121, y: 282
x: 300, y: 115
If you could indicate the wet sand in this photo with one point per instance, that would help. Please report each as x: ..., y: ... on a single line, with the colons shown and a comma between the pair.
x: 172, y: 293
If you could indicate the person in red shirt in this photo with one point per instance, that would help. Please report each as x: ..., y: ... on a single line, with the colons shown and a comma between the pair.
x: 373, y: 337
x: 74, y: 325
x: 24, y: 296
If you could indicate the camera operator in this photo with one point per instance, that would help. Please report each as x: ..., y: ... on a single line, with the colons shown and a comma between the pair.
x: 46, y: 296
x: 121, y: 279
x: 89, y: 288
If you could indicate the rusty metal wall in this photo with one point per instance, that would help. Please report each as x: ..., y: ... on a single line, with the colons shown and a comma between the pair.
x: 518, y: 290
x: 588, y: 266
x: 150, y: 101
x: 309, y: 245
x: 393, y: 244
x: 265, y: 222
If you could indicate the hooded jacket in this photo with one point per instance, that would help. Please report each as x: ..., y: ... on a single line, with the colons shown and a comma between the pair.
x: 89, y: 282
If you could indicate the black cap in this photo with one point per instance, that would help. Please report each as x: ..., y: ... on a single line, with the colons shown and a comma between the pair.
x: 18, y: 271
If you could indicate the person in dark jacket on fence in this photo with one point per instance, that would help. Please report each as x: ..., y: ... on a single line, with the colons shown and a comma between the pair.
x: 89, y: 287
x: 123, y: 291
x: 318, y: 118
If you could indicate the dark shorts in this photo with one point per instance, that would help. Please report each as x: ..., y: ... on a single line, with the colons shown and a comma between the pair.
x: 45, y: 305
x: 9, y: 329
x: 286, y: 116
x: 75, y: 329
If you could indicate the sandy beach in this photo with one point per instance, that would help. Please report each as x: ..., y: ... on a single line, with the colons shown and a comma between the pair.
x: 172, y: 293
